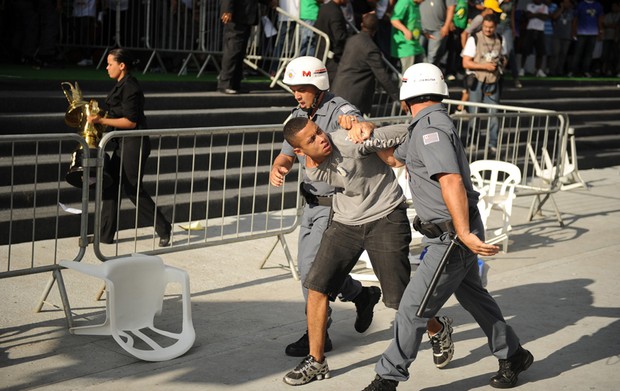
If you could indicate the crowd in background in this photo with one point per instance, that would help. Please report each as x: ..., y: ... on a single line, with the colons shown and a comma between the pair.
x: 566, y: 37
x: 577, y: 38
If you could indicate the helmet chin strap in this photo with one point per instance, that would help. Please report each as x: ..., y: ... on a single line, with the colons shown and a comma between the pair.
x: 315, y: 104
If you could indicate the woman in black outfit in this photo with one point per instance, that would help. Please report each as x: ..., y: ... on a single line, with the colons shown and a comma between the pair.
x: 126, y: 111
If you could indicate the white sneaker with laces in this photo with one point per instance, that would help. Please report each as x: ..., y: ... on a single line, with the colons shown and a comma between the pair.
x: 540, y: 73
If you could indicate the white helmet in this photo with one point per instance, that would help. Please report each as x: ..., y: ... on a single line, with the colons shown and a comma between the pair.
x: 307, y: 70
x: 423, y: 79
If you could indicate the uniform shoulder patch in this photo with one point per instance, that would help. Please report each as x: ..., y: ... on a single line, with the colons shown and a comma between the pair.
x: 430, y: 138
x: 346, y: 108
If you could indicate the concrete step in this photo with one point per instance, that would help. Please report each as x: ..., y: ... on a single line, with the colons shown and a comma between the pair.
x: 31, y: 102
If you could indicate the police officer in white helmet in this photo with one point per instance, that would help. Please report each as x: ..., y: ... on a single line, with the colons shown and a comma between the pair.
x: 445, y: 202
x: 307, y: 77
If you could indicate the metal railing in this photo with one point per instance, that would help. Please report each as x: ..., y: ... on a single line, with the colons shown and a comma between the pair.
x: 534, y: 140
x: 31, y: 199
x: 32, y: 194
x: 213, y: 185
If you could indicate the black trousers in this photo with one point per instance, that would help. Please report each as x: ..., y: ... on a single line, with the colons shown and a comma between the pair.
x: 235, y: 43
x: 127, y: 167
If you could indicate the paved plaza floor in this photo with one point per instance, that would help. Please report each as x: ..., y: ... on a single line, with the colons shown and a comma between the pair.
x: 557, y: 286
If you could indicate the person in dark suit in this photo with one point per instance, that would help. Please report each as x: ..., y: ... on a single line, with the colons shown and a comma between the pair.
x: 238, y: 17
x: 331, y: 21
x: 125, y: 105
x: 361, y: 61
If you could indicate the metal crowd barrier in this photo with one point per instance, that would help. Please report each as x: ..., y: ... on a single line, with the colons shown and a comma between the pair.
x: 180, y: 31
x: 270, y: 54
x: 32, y: 193
x: 212, y: 184
x: 185, y: 33
x: 535, y: 140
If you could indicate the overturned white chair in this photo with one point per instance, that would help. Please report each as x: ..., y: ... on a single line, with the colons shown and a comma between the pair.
x: 495, y: 181
x: 135, y: 288
x: 569, y: 177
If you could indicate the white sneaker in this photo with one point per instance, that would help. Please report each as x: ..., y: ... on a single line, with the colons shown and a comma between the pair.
x: 540, y: 73
x: 521, y: 72
x: 86, y: 62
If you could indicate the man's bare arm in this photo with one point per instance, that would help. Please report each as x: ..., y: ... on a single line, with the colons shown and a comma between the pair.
x: 281, y: 166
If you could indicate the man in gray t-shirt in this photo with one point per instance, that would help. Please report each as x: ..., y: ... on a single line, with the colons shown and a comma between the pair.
x: 369, y: 213
x: 436, y: 16
x: 308, y: 79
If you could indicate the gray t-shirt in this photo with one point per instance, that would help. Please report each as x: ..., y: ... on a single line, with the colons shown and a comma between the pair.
x: 326, y: 117
x: 433, y: 13
x: 367, y: 188
x: 433, y: 147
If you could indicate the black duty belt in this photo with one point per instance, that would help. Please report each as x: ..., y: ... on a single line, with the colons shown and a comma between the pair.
x: 435, y: 230
x: 313, y: 199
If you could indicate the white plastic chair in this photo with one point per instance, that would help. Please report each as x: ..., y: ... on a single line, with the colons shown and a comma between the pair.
x: 495, y: 181
x: 569, y: 177
x: 135, y: 288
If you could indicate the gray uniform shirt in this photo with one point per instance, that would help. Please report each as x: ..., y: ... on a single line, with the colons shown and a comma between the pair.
x: 433, y: 147
x: 326, y: 117
x: 368, y: 189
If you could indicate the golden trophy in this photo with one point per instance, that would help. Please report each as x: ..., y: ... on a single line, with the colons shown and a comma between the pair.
x: 76, y: 117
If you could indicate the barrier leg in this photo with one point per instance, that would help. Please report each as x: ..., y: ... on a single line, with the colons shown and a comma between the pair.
x: 287, y: 253
x: 46, y: 292
x: 537, y: 204
x: 64, y: 298
x: 57, y: 276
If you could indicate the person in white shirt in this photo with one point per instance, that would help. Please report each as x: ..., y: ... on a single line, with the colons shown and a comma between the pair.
x: 536, y: 12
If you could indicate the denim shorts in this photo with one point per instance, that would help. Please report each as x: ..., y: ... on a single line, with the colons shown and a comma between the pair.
x: 387, y: 242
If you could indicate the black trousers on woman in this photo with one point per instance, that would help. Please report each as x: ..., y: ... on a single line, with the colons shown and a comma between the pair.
x: 127, y: 167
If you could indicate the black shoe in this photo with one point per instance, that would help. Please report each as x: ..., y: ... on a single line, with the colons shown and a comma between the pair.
x: 164, y: 241
x: 510, y: 368
x: 364, y: 304
x: 381, y: 384
x: 301, y: 348
x: 228, y: 91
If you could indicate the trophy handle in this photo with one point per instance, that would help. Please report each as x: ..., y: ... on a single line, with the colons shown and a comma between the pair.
x: 64, y: 90
x: 76, y: 93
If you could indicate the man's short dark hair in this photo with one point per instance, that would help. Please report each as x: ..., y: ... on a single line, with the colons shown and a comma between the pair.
x: 490, y: 18
x: 424, y: 98
x: 370, y: 22
x: 292, y: 127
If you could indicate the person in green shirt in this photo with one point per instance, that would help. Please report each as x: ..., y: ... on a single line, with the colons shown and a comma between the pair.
x: 308, y: 12
x: 406, y: 31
